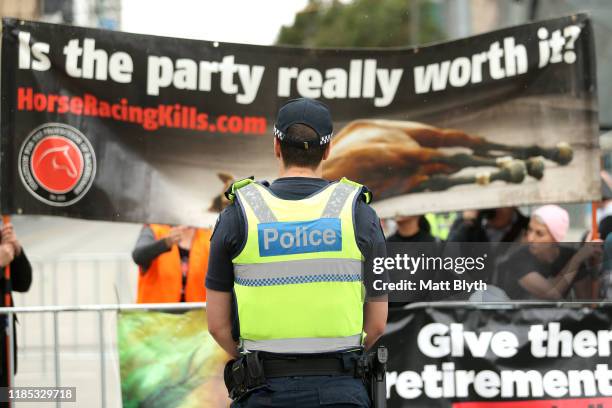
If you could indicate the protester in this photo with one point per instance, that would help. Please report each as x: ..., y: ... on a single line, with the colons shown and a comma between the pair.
x: 605, y: 227
x: 414, y: 231
x: 505, y: 224
x: 477, y: 232
x: 412, y: 228
x: 173, y: 262
x: 440, y: 224
x: 13, y: 255
x: 544, y: 269
x: 604, y: 209
x: 606, y: 283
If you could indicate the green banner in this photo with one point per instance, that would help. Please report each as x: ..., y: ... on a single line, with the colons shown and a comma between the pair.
x: 169, y: 360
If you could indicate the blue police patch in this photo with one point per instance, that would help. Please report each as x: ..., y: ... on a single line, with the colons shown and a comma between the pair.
x: 301, y: 237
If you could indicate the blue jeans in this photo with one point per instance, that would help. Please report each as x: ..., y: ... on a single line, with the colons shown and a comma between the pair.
x: 307, y: 392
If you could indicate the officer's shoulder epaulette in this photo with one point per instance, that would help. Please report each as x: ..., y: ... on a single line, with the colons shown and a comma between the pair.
x: 366, y: 194
x: 230, y: 193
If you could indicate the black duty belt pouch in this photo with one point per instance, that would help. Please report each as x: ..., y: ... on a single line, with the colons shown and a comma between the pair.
x: 228, y: 379
x: 255, y: 371
x: 243, y: 375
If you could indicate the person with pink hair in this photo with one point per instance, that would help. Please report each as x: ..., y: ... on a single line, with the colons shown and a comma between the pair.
x: 544, y: 269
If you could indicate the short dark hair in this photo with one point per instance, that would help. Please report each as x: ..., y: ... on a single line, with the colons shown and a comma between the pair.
x: 298, y: 156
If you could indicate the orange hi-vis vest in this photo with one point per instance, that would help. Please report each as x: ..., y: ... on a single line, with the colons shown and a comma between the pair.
x: 162, y: 282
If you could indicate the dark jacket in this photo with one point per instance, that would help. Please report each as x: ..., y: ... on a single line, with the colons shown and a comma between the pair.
x: 468, y: 232
x: 21, y: 279
x: 21, y: 275
x: 475, y: 231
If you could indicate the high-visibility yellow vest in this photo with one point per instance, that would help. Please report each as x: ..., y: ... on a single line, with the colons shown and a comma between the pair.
x: 440, y: 224
x: 298, y: 279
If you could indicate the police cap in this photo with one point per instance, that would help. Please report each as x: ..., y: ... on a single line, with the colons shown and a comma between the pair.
x: 309, y: 112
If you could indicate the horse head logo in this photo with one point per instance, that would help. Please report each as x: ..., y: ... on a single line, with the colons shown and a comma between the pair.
x: 60, y: 160
x: 57, y: 164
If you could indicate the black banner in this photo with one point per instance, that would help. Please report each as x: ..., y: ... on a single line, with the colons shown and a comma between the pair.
x: 499, y: 357
x: 116, y: 126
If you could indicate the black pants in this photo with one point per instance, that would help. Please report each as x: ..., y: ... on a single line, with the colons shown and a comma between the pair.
x: 308, y: 392
x: 3, y: 364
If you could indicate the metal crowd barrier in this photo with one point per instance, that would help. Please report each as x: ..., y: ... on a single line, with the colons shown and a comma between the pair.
x: 100, y: 310
x: 86, y: 278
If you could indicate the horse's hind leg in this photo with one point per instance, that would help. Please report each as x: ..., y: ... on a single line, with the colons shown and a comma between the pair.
x: 561, y: 154
x: 534, y: 166
x: 435, y: 138
x: 514, y: 172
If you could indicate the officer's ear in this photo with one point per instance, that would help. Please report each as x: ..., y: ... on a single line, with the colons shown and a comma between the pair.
x: 277, y: 149
x: 327, y: 151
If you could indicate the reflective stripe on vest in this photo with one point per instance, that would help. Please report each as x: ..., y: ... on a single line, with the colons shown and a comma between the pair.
x: 308, y: 270
x: 298, y: 279
x: 304, y: 345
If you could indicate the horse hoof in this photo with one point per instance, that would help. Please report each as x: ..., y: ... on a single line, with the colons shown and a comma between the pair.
x: 535, y: 167
x: 516, y: 171
x: 503, y: 161
x: 483, y: 178
x: 564, y: 153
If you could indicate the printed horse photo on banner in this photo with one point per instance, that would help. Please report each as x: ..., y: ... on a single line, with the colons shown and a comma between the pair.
x: 399, y: 157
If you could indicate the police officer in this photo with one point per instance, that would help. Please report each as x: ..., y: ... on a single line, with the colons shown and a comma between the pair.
x: 292, y: 253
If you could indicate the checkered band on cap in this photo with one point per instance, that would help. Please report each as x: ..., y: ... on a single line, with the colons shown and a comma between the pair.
x: 326, y: 139
x: 278, y: 133
x: 323, y: 140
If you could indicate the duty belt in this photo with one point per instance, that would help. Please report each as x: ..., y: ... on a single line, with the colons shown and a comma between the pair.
x: 298, y: 366
x: 250, y: 372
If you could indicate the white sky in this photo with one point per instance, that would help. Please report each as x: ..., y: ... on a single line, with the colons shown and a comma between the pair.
x: 239, y: 21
